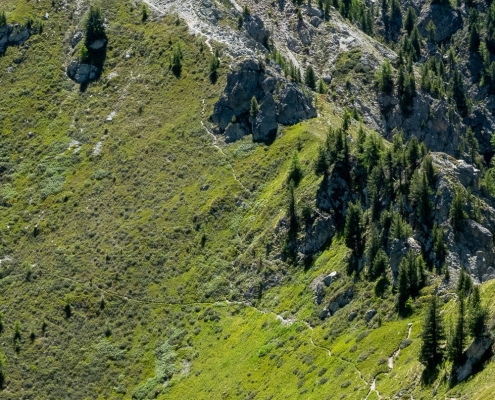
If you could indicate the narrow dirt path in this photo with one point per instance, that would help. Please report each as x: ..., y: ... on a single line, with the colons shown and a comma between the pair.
x: 284, y: 321
x: 214, y: 143
x: 396, y: 352
x: 390, y: 365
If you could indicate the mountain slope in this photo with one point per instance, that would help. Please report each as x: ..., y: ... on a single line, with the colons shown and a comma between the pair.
x: 143, y: 257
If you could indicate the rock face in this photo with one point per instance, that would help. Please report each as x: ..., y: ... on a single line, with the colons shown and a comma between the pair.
x: 339, y: 301
x: 13, y: 35
x: 280, y: 101
x: 475, y: 354
x: 428, y: 121
x: 472, y: 247
x: 82, y: 73
x: 256, y: 29
x: 446, y: 20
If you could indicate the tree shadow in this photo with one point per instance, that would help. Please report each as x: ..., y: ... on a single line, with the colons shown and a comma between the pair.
x: 429, y: 375
x: 96, y: 58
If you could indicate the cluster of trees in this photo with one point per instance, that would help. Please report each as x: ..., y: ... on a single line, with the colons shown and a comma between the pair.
x: 392, y: 191
x: 470, y: 321
x: 434, y: 75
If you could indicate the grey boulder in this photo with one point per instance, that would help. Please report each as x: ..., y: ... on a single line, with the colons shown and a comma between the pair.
x: 82, y: 73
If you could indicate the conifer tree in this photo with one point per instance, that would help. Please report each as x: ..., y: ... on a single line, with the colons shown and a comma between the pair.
x: 291, y: 210
x: 410, y: 20
x: 420, y: 195
x: 416, y: 43
x: 474, y: 38
x: 439, y: 246
x: 353, y: 228
x: 433, y: 336
x: 176, y: 62
x: 403, y: 289
x: 321, y: 161
x: 431, y: 29
x: 458, y: 92
x: 309, y: 78
x: 458, y: 338
x: 144, y: 13
x: 457, y: 213
x: 372, y: 247
x: 380, y: 264
x: 427, y: 168
x: 295, y: 171
x: 3, y: 19
x: 94, y: 26
x: 385, y: 79
x: 477, y: 314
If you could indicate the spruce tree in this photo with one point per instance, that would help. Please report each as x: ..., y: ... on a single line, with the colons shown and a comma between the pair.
x: 410, y: 20
x: 144, y: 13
x: 427, y: 168
x: 322, y: 88
x: 94, y: 26
x: 477, y: 314
x: 439, y: 246
x: 372, y: 247
x: 433, y: 336
x: 3, y: 19
x: 474, y: 38
x: 420, y: 195
x: 431, y: 29
x: 412, y: 271
x: 380, y: 264
x: 416, y: 43
x: 295, y: 171
x: 457, y: 213
x: 291, y: 211
x: 385, y: 79
x: 353, y: 227
x: 403, y: 289
x: 353, y: 237
x: 321, y: 161
x: 458, y: 338
x: 310, y: 78
x: 458, y: 92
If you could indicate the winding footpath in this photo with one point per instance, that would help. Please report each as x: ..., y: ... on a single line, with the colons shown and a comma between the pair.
x: 371, y: 384
x: 214, y: 143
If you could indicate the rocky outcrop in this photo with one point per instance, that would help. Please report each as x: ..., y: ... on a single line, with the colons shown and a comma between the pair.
x: 280, y: 101
x: 447, y: 21
x: 82, y: 73
x: 317, y: 233
x: 256, y: 29
x: 427, y: 120
x: 339, y: 301
x: 472, y: 247
x: 13, y: 35
x: 479, y: 350
x: 369, y: 315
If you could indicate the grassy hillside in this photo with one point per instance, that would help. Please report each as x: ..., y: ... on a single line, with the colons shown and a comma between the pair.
x: 127, y: 243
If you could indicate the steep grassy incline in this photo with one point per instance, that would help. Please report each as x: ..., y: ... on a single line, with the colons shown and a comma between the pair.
x: 129, y: 241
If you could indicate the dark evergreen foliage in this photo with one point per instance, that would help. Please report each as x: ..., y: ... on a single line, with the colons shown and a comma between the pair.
x: 433, y: 336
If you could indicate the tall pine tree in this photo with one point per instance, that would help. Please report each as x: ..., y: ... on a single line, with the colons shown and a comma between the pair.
x: 433, y: 336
